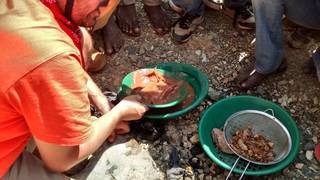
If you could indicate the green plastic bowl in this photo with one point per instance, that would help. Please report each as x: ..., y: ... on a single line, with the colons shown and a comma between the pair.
x: 197, y: 79
x: 217, y: 114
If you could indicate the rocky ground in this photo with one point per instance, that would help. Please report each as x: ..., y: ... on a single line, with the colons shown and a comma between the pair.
x: 219, y: 50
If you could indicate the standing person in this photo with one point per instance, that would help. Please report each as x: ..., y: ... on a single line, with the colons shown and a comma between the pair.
x: 269, y: 47
x: 45, y: 92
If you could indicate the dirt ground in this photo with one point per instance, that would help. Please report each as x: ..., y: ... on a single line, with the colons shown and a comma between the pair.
x: 216, y: 49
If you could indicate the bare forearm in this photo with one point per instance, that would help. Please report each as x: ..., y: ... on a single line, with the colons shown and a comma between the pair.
x: 97, y: 97
x: 61, y: 158
x: 102, y: 128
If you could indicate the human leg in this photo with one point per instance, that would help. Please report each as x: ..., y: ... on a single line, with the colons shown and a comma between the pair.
x: 29, y: 167
x: 269, y: 48
x: 126, y: 17
x: 112, y: 37
x: 158, y: 17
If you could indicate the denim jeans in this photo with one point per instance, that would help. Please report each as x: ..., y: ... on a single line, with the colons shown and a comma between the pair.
x: 268, y: 16
x: 192, y: 7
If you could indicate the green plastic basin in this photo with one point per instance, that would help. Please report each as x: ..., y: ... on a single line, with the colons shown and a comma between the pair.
x: 197, y: 79
x: 217, y: 114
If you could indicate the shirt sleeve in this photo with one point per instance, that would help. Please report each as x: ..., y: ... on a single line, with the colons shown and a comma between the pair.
x: 53, y: 98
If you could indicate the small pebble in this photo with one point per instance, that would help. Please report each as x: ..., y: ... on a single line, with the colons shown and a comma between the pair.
x: 315, y: 139
x: 194, y: 139
x: 309, y: 155
x: 198, y: 52
x: 299, y: 165
x: 201, y: 176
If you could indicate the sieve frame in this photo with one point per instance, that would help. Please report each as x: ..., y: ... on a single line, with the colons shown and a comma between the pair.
x: 271, y: 117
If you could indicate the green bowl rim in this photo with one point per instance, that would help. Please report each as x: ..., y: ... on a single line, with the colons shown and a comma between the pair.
x: 278, y: 167
x: 203, y: 92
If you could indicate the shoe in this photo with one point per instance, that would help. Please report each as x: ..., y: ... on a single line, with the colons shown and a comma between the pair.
x: 249, y: 78
x: 253, y: 79
x: 244, y: 18
x: 214, y: 4
x: 299, y: 39
x: 185, y: 26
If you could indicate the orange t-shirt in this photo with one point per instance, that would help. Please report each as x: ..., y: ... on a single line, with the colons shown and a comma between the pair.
x: 50, y: 103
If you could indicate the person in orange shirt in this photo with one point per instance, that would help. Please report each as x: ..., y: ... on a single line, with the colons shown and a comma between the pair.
x: 45, y: 92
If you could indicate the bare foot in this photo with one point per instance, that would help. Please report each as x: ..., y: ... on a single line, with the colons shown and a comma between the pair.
x: 159, y: 19
x: 112, y: 37
x: 127, y: 20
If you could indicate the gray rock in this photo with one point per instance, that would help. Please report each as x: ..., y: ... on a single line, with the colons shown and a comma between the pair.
x: 198, y: 52
x: 214, y: 94
x: 208, y: 177
x: 142, y: 50
x: 309, y: 146
x: 309, y: 155
x: 175, y: 173
x: 283, y: 82
x: 204, y: 58
x: 194, y: 139
x: 315, y: 139
x: 299, y: 165
x: 207, y: 170
x: 315, y: 101
x: 201, y: 177
x: 122, y: 160
x: 291, y: 82
x: 131, y: 50
x: 260, y: 90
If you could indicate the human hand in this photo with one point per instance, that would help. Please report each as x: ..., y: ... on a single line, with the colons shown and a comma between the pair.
x: 121, y: 128
x: 130, y: 108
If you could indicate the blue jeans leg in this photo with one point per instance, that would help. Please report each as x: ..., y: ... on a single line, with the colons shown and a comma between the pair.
x: 268, y: 15
x: 269, y: 47
x: 192, y: 7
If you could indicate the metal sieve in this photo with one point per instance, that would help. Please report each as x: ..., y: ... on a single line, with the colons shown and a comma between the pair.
x: 263, y: 124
